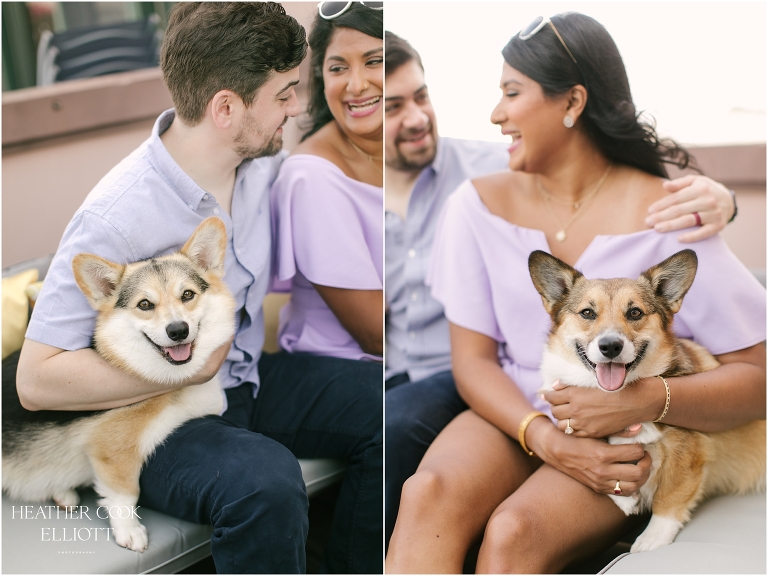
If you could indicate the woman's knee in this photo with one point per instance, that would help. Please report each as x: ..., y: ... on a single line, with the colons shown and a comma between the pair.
x: 423, y: 493
x: 511, y: 538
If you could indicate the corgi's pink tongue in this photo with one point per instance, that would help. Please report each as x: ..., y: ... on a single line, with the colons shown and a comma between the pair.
x: 179, y: 353
x: 610, y: 375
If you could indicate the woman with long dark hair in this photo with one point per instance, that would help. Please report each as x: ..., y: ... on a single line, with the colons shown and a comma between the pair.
x: 328, y: 199
x: 327, y: 205
x: 584, y: 169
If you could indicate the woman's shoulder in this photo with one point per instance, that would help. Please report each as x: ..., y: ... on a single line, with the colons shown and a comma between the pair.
x: 309, y: 164
x: 327, y: 144
x: 494, y: 189
x: 474, y: 199
x: 637, y: 190
x: 314, y: 160
x: 642, y: 188
x: 495, y: 180
x: 303, y: 175
x: 323, y: 144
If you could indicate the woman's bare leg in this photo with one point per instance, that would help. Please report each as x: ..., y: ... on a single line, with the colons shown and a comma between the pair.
x: 468, y: 471
x: 549, y: 522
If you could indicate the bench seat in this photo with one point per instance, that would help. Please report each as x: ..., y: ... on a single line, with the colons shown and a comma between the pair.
x: 173, y: 544
x: 726, y: 535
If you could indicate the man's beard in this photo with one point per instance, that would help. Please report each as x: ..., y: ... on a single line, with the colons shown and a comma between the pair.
x: 417, y: 161
x: 271, y: 148
x: 249, y: 152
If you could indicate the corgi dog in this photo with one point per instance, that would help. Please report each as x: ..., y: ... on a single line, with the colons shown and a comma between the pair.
x: 158, y: 319
x: 609, y: 333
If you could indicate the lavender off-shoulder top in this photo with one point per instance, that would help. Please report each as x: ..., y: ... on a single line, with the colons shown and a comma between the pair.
x: 479, y: 272
x: 327, y: 229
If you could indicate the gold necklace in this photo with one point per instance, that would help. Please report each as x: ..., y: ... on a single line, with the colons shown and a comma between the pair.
x: 561, y: 234
x: 365, y: 155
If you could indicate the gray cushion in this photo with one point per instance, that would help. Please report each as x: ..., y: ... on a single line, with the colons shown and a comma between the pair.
x: 173, y: 544
x: 726, y: 535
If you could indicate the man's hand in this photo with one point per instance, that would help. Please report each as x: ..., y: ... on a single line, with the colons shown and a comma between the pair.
x: 212, y: 365
x: 693, y: 193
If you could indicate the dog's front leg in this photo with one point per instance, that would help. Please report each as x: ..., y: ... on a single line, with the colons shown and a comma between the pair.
x: 117, y: 482
x: 680, y: 487
x: 122, y: 511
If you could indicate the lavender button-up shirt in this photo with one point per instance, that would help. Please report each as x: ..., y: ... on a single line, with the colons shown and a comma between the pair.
x: 147, y: 206
x: 417, y: 331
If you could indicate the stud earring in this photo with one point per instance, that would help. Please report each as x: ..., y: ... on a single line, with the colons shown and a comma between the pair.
x: 568, y: 122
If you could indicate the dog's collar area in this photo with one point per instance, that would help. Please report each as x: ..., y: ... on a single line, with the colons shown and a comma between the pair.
x: 166, y: 356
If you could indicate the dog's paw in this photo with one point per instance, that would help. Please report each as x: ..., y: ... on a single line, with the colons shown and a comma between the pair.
x: 660, y: 532
x: 66, y: 499
x: 134, y: 537
x: 628, y: 504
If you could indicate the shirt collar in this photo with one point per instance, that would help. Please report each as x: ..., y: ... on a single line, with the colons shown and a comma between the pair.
x: 166, y: 166
x: 437, y: 163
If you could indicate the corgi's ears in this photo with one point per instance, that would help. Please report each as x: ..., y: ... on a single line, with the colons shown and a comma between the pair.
x: 672, y: 278
x: 207, y: 246
x: 96, y: 277
x: 552, y: 277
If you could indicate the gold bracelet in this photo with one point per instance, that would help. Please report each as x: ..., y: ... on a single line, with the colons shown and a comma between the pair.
x: 666, y: 405
x: 524, y: 426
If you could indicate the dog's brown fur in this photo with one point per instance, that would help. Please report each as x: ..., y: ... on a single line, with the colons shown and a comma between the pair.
x: 687, y: 465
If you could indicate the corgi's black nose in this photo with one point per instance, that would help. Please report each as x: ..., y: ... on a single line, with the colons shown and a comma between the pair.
x: 610, y: 346
x: 177, y: 331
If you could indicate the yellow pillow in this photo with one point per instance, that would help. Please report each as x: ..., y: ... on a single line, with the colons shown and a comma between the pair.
x: 33, y: 291
x: 16, y: 310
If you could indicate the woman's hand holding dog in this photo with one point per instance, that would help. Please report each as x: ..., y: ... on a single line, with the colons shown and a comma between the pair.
x: 593, y: 413
x: 594, y: 463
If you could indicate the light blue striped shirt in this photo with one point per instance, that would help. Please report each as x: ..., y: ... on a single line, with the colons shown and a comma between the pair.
x: 416, y: 329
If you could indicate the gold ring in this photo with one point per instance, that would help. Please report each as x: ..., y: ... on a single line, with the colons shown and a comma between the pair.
x: 617, y: 489
x: 568, y: 429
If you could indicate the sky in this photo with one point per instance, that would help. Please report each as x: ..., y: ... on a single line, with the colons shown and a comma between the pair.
x: 698, y: 68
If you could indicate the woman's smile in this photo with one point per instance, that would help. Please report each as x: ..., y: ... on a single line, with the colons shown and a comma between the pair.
x: 517, y: 140
x: 360, y: 107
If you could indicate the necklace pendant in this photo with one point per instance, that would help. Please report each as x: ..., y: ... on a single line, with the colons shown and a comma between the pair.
x: 560, y: 236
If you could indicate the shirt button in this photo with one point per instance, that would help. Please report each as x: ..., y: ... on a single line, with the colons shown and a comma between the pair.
x: 411, y: 253
x: 205, y: 196
x: 412, y: 335
x: 414, y: 296
x: 215, y: 210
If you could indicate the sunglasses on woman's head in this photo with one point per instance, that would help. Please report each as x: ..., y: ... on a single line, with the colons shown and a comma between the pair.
x: 538, y: 23
x: 331, y: 10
